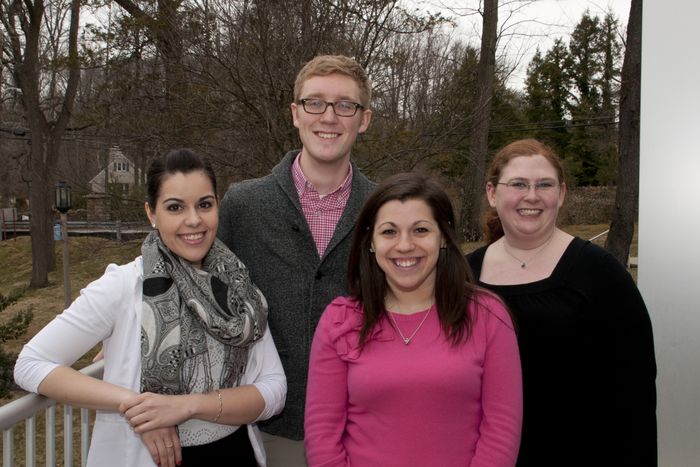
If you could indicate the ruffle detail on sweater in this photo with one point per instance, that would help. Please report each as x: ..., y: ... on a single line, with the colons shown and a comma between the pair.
x: 347, y: 323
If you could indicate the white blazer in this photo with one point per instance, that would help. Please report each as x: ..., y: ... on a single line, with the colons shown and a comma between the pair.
x: 109, y: 310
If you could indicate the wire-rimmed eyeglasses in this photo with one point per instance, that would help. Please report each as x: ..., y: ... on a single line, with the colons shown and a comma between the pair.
x: 522, y: 186
x: 340, y: 108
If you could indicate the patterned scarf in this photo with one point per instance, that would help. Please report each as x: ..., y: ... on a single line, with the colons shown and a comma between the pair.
x: 189, y: 312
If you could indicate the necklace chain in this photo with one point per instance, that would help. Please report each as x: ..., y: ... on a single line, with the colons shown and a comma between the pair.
x: 407, y: 340
x: 523, y: 264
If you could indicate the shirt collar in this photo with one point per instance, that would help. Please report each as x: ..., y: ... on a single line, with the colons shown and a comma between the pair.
x: 302, y: 184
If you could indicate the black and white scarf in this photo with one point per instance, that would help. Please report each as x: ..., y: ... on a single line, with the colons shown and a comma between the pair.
x: 183, y: 306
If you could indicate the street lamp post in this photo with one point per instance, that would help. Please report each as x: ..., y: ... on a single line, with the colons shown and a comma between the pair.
x: 63, y: 205
x: 13, y: 203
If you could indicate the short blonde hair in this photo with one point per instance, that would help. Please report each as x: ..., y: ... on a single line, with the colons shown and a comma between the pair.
x: 324, y: 65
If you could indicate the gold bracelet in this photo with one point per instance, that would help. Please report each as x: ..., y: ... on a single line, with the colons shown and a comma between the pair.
x: 221, y: 406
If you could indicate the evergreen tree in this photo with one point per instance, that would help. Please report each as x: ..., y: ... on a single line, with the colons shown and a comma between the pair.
x: 548, y: 87
x: 609, y: 84
x: 571, y: 96
x: 584, y: 69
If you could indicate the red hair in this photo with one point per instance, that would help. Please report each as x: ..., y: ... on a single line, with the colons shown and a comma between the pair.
x: 491, y: 225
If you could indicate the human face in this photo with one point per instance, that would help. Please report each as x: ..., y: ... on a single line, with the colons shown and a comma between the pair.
x: 528, y: 216
x: 186, y: 215
x: 406, y: 240
x: 327, y: 138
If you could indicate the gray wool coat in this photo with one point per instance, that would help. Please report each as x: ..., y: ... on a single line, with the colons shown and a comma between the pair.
x: 262, y: 222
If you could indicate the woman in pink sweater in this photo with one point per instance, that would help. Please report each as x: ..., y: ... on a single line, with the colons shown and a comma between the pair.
x: 418, y: 367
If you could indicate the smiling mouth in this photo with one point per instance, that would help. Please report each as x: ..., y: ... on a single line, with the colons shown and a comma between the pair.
x: 324, y: 135
x: 193, y: 237
x: 405, y: 262
x: 529, y: 212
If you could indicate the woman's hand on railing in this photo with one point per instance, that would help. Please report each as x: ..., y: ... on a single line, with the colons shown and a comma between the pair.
x: 164, y: 446
x: 149, y: 411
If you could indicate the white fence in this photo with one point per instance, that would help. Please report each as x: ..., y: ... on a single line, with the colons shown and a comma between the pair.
x: 26, y: 409
x: 109, y: 229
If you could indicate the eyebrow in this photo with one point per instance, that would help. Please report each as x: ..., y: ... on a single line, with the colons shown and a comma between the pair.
x: 340, y: 98
x: 178, y: 200
x: 426, y: 221
x: 544, y: 179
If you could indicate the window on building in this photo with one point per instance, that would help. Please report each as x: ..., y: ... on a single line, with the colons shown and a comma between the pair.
x: 121, y: 166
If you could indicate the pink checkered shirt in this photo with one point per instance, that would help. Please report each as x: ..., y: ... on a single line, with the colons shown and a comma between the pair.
x: 322, y: 213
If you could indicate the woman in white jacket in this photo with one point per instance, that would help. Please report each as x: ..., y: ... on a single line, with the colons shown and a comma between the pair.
x: 190, y: 364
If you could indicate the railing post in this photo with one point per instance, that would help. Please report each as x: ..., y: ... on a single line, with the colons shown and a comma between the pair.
x: 8, y: 447
x: 119, y: 231
x: 51, y: 436
x: 67, y: 435
x: 30, y: 442
x: 84, y: 436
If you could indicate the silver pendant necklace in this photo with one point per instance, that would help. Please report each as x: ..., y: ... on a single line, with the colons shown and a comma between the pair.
x: 407, y: 340
x: 523, y: 264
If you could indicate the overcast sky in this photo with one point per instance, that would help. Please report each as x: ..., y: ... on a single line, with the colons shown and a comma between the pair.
x: 528, y: 24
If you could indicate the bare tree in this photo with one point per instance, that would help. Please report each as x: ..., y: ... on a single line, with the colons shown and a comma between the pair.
x: 475, y: 166
x: 163, y: 25
x: 627, y: 195
x: 48, y: 104
x: 234, y: 72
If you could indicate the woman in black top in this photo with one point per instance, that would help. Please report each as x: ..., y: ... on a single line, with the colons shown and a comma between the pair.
x: 585, y: 335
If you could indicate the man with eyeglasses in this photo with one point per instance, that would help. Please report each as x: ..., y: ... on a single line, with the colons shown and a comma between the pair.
x: 293, y: 227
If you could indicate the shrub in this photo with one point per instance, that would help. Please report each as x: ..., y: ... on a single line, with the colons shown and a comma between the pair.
x: 11, y: 329
x: 588, y: 205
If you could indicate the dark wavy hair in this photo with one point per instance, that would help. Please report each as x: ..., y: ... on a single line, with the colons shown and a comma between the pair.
x: 491, y: 223
x: 454, y: 282
x: 182, y: 160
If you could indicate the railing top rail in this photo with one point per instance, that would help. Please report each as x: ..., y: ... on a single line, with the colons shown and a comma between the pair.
x: 599, y: 235
x: 76, y: 223
x: 26, y: 406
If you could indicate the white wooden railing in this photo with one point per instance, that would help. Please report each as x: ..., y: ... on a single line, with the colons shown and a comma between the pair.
x: 26, y: 409
x: 631, y: 261
x: 110, y: 229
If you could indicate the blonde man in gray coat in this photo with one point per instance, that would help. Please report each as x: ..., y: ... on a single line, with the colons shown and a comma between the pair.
x: 293, y: 227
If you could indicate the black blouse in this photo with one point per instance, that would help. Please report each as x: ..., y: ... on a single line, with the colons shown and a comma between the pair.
x: 588, y: 362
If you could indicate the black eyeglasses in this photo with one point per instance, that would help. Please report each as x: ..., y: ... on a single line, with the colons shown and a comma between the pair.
x: 340, y: 108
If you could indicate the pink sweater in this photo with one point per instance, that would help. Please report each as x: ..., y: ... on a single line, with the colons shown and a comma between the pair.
x: 423, y: 404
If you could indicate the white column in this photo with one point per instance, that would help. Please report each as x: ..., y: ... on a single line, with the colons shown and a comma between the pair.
x: 669, y: 219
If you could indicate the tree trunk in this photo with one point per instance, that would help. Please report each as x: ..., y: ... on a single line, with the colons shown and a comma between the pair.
x: 41, y: 222
x: 46, y: 135
x: 627, y: 195
x: 475, y: 165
